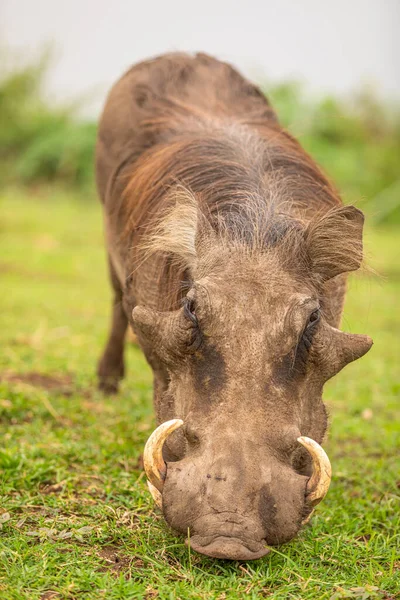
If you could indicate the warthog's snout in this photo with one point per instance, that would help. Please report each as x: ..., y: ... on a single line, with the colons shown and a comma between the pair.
x: 229, y: 510
x: 228, y: 536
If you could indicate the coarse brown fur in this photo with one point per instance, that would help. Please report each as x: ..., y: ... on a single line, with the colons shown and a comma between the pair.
x: 228, y: 252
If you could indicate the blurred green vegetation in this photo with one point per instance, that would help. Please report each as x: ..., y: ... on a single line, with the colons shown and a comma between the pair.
x: 356, y: 140
x: 39, y: 142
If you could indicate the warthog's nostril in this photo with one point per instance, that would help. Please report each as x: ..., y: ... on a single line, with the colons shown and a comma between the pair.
x: 191, y: 435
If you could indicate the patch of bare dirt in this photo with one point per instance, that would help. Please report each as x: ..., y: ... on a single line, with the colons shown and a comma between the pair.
x: 363, y: 538
x: 60, y: 383
x: 20, y: 270
x: 117, y: 562
x: 51, y: 488
x: 50, y: 595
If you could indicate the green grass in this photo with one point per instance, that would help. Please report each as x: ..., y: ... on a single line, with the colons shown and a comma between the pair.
x: 73, y: 499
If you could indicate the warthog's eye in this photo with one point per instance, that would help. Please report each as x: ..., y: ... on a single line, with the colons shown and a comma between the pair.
x: 314, y: 318
x: 189, y: 309
x: 195, y: 339
x: 310, y: 328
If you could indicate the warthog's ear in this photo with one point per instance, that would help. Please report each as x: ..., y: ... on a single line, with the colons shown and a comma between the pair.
x: 334, y: 242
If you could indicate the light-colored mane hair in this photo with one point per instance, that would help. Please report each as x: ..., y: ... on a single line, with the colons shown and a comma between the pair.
x: 328, y: 242
x: 175, y: 231
x: 237, y: 183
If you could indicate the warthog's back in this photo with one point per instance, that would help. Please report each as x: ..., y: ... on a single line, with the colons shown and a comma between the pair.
x: 145, y: 105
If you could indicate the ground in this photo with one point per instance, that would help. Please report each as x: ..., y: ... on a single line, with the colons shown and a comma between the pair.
x: 75, y: 516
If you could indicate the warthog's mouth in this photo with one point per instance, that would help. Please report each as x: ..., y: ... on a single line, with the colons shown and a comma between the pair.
x: 229, y: 538
x: 227, y: 547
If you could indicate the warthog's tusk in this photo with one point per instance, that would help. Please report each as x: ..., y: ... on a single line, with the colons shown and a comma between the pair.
x: 318, y: 484
x: 157, y: 496
x: 153, y: 460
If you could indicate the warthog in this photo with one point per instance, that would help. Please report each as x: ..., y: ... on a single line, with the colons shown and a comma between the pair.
x: 228, y: 252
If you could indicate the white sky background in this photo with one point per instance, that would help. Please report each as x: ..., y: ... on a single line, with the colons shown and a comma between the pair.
x: 333, y: 45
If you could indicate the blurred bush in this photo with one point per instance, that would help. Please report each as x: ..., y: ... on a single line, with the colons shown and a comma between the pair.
x: 41, y: 143
x: 357, y: 141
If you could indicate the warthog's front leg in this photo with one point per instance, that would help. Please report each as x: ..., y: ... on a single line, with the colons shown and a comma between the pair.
x: 111, y: 367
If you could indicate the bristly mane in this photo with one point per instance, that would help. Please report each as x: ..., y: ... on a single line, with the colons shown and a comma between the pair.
x: 221, y: 146
x: 253, y: 183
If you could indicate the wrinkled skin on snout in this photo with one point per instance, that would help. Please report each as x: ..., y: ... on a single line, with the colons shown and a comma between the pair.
x: 246, y: 365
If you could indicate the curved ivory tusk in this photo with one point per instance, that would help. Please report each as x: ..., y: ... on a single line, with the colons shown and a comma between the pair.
x: 318, y: 484
x: 157, y: 496
x: 153, y: 460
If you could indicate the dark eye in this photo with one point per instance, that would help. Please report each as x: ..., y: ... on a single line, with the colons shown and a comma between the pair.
x: 314, y: 318
x: 189, y: 309
x: 309, y: 331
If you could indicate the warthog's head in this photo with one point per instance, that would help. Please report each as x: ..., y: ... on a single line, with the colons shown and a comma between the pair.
x: 247, y: 356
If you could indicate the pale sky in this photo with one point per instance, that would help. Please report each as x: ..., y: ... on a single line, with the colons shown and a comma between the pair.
x: 332, y: 45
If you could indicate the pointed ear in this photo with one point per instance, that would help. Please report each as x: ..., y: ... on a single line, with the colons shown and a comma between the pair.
x: 334, y: 242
